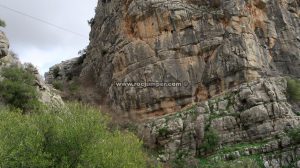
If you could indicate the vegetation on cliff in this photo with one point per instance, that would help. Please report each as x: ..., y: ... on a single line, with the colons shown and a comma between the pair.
x: 243, y: 162
x: 211, y: 141
x: 294, y: 134
x: 75, y: 135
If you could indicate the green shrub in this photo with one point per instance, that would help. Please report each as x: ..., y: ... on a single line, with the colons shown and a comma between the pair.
x: 82, y: 56
x: 56, y: 71
x: 211, y: 141
x: 294, y: 134
x: 17, y: 89
x: 2, y: 23
x: 21, y: 144
x: 58, y: 85
x: 76, y: 136
x: 74, y: 87
x: 163, y: 131
x: 293, y: 89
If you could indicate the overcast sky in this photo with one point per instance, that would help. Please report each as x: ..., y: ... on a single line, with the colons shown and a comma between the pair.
x: 39, y: 43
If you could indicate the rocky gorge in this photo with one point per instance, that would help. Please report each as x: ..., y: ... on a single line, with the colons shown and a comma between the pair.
x: 234, y: 55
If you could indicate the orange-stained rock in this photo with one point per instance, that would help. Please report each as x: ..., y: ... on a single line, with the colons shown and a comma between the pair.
x: 210, y: 46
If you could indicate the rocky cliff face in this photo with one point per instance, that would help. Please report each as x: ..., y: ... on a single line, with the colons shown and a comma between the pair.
x: 209, y: 46
x: 250, y: 113
x: 231, y: 57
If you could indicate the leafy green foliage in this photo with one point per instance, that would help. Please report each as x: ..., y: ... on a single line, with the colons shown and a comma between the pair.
x: 182, y: 161
x: 211, y: 141
x: 163, y: 131
x: 17, y: 89
x: 59, y: 85
x: 56, y: 71
x: 76, y: 136
x: 293, y: 89
x: 294, y: 134
x: 2, y: 23
x: 74, y: 87
x: 21, y: 144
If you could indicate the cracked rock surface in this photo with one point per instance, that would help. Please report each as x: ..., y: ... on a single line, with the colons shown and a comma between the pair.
x: 211, y: 45
x: 249, y: 113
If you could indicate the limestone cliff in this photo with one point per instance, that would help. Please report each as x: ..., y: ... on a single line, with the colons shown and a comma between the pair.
x: 210, y: 46
x: 253, y: 112
x: 232, y: 57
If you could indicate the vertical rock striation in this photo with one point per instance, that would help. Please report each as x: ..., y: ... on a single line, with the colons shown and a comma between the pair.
x: 209, y: 45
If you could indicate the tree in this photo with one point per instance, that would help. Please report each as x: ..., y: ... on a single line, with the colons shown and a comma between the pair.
x: 17, y: 89
x: 2, y: 23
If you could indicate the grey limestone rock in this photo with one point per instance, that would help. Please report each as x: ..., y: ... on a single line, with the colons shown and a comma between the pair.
x: 210, y: 45
x: 4, y: 45
x: 252, y: 122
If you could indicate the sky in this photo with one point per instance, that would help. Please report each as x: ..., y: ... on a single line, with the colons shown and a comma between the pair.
x: 39, y: 43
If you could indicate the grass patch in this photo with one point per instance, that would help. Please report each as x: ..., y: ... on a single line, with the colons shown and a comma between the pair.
x: 239, y: 147
x: 245, y: 162
x: 215, y: 161
x: 259, y: 161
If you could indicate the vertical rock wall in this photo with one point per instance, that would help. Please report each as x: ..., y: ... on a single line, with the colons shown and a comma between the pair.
x: 209, y: 45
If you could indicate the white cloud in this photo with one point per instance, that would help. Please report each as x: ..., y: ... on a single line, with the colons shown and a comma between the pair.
x: 45, y: 45
x: 43, y: 59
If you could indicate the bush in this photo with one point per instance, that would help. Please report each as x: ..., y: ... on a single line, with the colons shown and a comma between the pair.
x: 21, y: 143
x: 294, y: 134
x: 73, y: 87
x: 58, y: 85
x: 211, y: 141
x: 56, y: 72
x: 17, y: 89
x: 76, y: 136
x: 2, y: 23
x: 293, y: 89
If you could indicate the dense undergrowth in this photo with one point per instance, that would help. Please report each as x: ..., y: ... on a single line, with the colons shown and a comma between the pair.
x: 75, y: 136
